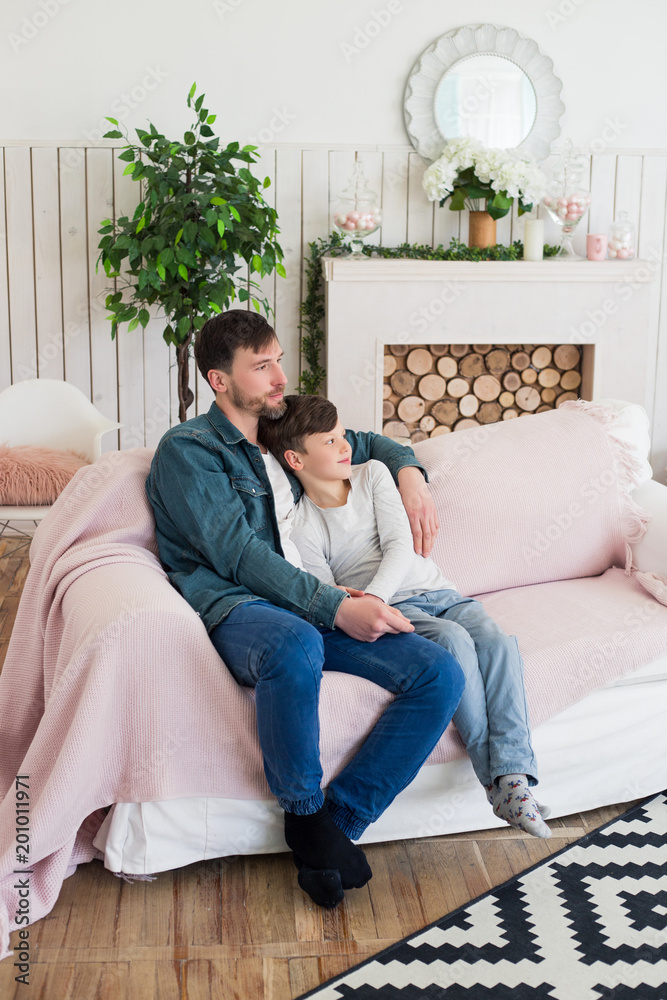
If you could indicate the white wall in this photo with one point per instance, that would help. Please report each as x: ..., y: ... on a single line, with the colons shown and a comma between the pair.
x: 298, y: 56
x: 284, y: 73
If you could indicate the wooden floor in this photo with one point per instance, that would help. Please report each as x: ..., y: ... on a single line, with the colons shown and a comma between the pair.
x: 241, y: 929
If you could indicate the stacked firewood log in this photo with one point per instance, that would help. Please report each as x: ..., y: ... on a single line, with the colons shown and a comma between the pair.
x: 436, y: 388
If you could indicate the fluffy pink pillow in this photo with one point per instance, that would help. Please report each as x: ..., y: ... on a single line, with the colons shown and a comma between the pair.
x: 32, y: 476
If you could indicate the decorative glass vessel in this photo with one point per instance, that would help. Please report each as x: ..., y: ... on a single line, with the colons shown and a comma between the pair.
x: 357, y: 213
x: 622, y: 239
x: 567, y: 201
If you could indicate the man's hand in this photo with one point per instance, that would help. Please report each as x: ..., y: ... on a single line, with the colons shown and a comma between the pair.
x: 419, y: 507
x: 367, y: 618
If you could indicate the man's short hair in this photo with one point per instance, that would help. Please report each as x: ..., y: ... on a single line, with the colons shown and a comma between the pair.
x: 221, y: 336
x: 303, y: 415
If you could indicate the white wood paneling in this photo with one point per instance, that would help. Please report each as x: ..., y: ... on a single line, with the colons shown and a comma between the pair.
x: 104, y: 374
x: 20, y: 263
x: 420, y: 210
x: 288, y: 289
x: 5, y: 345
x: 74, y: 256
x: 52, y: 317
x: 395, y: 172
x: 48, y: 292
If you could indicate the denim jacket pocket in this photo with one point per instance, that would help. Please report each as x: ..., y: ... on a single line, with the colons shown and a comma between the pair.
x: 254, y: 498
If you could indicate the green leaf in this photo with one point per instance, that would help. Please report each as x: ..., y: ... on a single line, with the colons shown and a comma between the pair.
x: 129, y: 169
x: 458, y: 199
x: 256, y: 262
x: 267, y: 182
x: 193, y: 89
x: 221, y: 227
x: 211, y: 119
x: 189, y: 138
x: 235, y: 213
x: 161, y: 271
x: 281, y: 270
x: 178, y: 237
x: 214, y: 307
x: 218, y: 201
x: 127, y: 154
x: 114, y: 134
x: 199, y: 102
x: 112, y: 120
x: 206, y: 131
x: 144, y: 317
x: 476, y: 192
x: 134, y: 323
x: 142, y: 223
x: 183, y: 271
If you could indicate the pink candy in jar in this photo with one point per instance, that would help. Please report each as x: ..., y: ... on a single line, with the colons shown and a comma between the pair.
x: 357, y: 221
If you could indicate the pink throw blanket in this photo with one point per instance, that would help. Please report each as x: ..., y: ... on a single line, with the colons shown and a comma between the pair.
x: 112, y: 692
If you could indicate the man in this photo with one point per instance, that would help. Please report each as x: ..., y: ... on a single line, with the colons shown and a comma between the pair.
x: 219, y: 505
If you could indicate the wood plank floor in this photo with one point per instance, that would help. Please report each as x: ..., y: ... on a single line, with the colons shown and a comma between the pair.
x: 241, y: 929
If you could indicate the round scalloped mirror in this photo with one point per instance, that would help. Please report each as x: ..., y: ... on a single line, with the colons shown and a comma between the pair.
x: 487, y: 82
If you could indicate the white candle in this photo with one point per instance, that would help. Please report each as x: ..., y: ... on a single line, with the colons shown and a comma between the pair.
x: 533, y: 239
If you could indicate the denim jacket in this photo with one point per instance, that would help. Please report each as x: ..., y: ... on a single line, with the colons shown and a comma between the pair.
x: 216, y: 524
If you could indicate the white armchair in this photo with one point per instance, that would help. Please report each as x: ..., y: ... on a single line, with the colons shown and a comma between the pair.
x: 52, y: 414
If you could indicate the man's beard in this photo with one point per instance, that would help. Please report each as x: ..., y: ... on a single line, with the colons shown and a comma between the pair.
x: 258, y: 405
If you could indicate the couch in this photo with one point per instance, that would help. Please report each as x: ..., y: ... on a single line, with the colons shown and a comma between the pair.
x: 113, y: 696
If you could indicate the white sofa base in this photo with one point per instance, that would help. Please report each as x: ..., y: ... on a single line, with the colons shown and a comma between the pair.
x: 580, y: 767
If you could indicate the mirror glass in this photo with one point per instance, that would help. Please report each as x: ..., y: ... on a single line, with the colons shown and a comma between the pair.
x: 486, y: 97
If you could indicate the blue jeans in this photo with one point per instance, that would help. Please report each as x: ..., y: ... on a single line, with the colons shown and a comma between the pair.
x: 282, y: 656
x: 492, y: 716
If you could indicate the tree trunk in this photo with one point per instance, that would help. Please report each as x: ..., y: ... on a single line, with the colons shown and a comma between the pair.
x: 185, y: 394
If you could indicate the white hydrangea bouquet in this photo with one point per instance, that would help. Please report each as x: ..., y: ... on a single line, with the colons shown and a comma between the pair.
x: 479, y: 179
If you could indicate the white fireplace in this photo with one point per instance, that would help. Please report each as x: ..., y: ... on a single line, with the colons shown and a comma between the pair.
x: 602, y: 307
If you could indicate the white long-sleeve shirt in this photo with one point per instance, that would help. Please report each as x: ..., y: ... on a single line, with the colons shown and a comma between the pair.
x: 367, y: 543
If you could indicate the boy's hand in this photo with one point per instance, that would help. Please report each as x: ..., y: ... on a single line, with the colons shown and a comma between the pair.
x: 367, y: 618
x: 419, y: 507
x: 351, y: 591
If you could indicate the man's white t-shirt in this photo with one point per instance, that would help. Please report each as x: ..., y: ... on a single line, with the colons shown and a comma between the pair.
x: 285, y: 509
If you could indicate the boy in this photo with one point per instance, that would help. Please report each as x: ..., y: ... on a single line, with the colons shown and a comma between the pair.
x: 351, y: 531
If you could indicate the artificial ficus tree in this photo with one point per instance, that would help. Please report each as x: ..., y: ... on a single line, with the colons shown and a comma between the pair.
x: 199, y: 216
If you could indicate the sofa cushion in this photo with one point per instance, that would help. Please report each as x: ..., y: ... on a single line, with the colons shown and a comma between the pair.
x: 532, y: 501
x: 30, y: 476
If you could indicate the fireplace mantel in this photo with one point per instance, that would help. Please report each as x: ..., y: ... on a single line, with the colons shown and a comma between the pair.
x: 373, y: 302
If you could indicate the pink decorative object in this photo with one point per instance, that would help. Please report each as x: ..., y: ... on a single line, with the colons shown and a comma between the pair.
x: 32, y: 476
x: 596, y: 246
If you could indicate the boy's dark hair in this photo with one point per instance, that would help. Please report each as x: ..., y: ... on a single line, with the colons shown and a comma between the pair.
x: 303, y: 415
x: 222, y: 335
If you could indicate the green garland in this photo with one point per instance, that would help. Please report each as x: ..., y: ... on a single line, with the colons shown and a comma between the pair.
x: 312, y: 307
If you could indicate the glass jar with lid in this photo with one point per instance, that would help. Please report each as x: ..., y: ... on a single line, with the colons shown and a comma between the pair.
x: 622, y: 240
x: 357, y: 213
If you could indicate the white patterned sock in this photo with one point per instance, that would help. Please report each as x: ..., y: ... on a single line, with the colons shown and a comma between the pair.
x: 513, y: 801
x: 545, y: 811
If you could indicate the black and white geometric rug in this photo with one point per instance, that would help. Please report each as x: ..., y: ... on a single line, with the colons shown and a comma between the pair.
x: 589, y: 922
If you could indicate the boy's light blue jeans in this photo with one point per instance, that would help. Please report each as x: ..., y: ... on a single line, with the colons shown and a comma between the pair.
x: 492, y: 716
x: 282, y: 657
